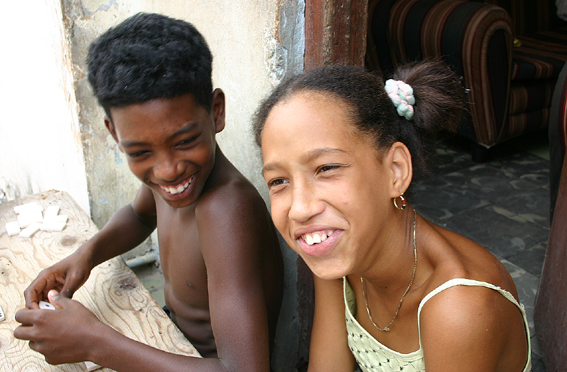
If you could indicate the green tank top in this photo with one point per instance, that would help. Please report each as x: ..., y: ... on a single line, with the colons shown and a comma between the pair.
x: 372, y: 356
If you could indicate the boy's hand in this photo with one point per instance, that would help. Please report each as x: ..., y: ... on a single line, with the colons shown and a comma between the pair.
x: 65, y: 277
x: 61, y: 335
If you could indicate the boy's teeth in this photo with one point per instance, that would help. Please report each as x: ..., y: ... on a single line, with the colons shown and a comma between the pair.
x: 315, y: 238
x: 176, y: 190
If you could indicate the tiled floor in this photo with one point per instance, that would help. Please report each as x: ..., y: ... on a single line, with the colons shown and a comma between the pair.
x: 503, y: 204
x: 152, y: 278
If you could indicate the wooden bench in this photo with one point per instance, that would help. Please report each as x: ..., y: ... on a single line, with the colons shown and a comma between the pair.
x: 112, y: 292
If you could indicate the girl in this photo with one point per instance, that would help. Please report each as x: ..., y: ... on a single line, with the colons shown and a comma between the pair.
x: 393, y: 292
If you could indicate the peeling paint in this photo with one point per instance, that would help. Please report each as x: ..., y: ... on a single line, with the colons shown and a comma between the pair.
x: 284, y: 47
x: 85, y: 4
x: 275, y: 58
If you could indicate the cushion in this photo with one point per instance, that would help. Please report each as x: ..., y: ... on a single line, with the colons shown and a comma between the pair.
x: 540, y: 56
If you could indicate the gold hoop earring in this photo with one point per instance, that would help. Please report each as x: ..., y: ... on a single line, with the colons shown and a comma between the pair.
x: 402, y: 205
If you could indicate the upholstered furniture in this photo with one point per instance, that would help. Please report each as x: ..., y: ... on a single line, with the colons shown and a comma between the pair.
x: 509, y: 77
x: 550, y: 316
x: 557, y: 136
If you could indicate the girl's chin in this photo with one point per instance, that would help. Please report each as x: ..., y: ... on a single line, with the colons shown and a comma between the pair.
x: 327, y: 270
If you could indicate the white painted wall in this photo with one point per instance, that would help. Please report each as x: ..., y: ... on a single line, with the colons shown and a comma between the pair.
x: 40, y: 141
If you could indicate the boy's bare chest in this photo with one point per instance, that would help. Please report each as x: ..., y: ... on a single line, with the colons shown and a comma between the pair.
x: 182, y: 262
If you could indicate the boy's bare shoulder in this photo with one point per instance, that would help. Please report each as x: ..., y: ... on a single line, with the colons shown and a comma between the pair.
x: 234, y: 227
x: 232, y: 198
x: 234, y: 187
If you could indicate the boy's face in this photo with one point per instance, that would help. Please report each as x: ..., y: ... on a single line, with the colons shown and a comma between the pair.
x: 170, y: 144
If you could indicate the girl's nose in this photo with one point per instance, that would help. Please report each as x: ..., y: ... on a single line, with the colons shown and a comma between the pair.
x: 304, y: 204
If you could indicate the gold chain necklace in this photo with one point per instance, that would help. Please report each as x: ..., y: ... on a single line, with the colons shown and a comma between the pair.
x: 387, y: 328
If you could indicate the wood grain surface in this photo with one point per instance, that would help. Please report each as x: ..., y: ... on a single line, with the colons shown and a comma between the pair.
x: 112, y: 292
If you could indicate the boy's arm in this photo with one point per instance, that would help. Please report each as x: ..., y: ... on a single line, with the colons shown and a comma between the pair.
x: 232, y: 240
x: 234, y: 234
x: 127, y: 228
x: 72, y: 334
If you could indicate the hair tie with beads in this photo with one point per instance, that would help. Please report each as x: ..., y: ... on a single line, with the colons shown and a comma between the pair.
x: 401, y: 95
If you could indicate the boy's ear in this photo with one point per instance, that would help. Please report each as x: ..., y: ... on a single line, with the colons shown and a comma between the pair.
x: 110, y: 127
x: 217, y: 109
x: 399, y: 161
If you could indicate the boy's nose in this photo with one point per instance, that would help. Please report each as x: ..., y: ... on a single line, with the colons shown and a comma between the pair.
x: 304, y: 204
x: 168, y: 168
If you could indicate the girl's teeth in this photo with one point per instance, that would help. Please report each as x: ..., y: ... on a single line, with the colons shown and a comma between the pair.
x: 309, y: 239
x: 315, y: 238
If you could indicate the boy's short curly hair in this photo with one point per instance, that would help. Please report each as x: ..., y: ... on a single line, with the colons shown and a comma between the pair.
x: 150, y: 56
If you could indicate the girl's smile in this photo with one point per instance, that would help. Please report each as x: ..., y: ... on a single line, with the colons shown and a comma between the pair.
x: 318, y: 243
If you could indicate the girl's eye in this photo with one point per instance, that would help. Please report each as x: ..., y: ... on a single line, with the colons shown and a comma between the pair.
x: 326, y: 168
x: 276, y: 182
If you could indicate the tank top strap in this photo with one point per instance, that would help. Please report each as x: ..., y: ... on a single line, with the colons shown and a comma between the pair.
x: 471, y: 283
x: 475, y: 283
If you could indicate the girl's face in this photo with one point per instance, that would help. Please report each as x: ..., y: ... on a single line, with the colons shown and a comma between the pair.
x: 330, y: 190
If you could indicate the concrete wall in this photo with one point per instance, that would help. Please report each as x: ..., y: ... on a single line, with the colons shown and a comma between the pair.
x: 52, y: 134
x: 254, y: 45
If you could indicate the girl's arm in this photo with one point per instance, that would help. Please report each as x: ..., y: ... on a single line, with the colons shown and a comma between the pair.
x: 329, y: 349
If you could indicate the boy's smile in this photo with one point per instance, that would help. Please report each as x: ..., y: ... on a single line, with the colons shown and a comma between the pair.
x: 170, y: 144
x: 178, y: 189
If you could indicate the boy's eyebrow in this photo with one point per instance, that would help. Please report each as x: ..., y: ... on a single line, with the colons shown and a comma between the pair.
x: 189, y: 127
x: 309, y: 156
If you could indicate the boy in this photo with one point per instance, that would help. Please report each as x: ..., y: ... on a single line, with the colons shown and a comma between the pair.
x: 219, y: 251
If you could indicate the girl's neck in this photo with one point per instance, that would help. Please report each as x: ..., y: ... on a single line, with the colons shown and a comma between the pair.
x: 391, y: 260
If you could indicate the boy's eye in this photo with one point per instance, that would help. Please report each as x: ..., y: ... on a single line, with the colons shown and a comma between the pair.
x: 137, y: 153
x: 187, y: 141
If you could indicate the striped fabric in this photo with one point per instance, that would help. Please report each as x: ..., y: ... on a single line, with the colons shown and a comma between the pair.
x: 526, y: 96
x: 541, y: 55
x: 379, y: 51
x: 463, y: 33
x: 510, y: 87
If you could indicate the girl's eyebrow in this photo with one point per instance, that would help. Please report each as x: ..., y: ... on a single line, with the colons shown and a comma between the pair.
x: 189, y: 127
x: 307, y: 157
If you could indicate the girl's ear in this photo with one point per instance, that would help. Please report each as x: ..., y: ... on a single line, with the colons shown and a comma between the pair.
x: 218, y: 109
x: 400, y: 164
